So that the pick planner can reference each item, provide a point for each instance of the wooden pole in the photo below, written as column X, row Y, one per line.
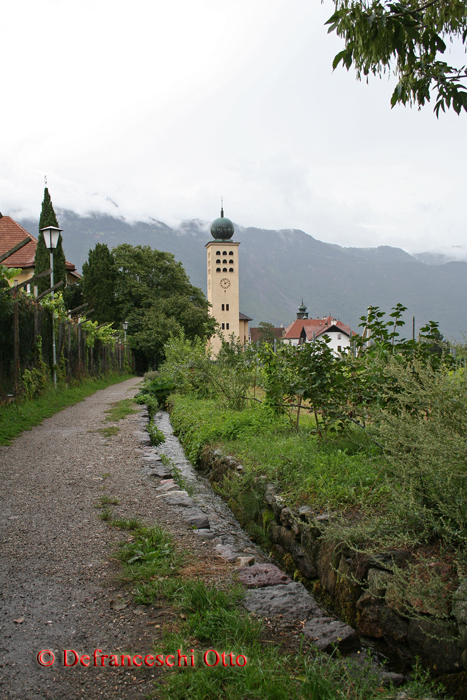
column 79, row 349
column 16, row 343
column 36, row 316
column 68, row 369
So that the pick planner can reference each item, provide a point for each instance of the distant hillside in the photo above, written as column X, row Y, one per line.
column 278, row 268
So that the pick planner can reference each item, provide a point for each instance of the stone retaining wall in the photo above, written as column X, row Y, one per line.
column 358, row 587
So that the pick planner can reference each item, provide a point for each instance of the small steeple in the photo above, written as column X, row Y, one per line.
column 302, row 312
column 222, row 207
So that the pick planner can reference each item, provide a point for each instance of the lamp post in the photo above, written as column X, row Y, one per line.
column 51, row 235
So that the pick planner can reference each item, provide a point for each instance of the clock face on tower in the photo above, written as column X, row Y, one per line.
column 225, row 283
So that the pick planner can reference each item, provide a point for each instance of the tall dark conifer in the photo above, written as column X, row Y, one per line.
column 99, row 276
column 42, row 257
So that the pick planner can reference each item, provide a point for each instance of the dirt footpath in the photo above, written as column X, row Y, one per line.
column 58, row 585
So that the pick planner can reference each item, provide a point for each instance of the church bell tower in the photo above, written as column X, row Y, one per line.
column 223, row 280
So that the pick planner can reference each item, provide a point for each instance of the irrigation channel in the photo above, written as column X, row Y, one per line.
column 270, row 592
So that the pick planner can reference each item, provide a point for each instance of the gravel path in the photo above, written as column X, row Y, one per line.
column 58, row 579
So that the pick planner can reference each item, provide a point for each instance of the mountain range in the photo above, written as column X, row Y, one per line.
column 279, row 268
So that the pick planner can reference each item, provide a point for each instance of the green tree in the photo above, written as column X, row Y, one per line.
column 154, row 294
column 266, row 332
column 408, row 39
column 42, row 256
column 98, row 284
column 73, row 295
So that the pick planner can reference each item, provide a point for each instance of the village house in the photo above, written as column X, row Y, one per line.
column 306, row 330
column 11, row 233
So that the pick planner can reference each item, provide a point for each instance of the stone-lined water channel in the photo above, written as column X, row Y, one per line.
column 270, row 592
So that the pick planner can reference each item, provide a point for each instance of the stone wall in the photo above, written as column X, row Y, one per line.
column 358, row 587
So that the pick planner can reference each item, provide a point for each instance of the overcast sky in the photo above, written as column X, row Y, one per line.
column 156, row 109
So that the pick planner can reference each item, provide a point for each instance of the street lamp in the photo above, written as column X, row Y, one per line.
column 125, row 328
column 51, row 235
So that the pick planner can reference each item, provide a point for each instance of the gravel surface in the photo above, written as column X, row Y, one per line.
column 59, row 585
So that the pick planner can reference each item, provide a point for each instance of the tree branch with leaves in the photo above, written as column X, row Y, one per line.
column 407, row 39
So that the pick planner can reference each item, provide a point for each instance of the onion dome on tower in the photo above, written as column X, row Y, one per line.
column 302, row 312
column 222, row 229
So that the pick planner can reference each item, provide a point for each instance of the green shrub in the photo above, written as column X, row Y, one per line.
column 150, row 402
column 156, row 435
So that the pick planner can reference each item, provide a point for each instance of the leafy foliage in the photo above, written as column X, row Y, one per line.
column 406, row 38
column 154, row 294
column 266, row 332
column 156, row 435
column 149, row 552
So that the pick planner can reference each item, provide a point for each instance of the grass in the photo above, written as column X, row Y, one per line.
column 120, row 409
column 148, row 553
column 108, row 431
column 16, row 418
column 341, row 473
column 212, row 618
column 109, row 500
column 106, row 515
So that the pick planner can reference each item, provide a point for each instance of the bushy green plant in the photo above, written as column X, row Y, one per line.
column 424, row 437
column 187, row 365
column 232, row 373
column 150, row 402
column 150, row 552
column 35, row 380
column 156, row 435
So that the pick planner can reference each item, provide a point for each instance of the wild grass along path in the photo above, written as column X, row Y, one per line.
column 58, row 586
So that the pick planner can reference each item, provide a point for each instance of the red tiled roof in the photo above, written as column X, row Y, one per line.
column 12, row 233
column 336, row 326
column 316, row 325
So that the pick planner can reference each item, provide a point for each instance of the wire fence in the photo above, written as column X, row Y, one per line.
column 26, row 342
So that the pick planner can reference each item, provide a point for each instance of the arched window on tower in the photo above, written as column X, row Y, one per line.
column 224, row 269
column 224, row 252
column 231, row 269
column 218, row 252
column 231, row 252
column 218, row 269
column 218, row 261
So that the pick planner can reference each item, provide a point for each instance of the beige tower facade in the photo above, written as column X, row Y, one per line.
column 223, row 281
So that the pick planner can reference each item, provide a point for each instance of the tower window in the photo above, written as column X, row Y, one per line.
column 218, row 269
column 223, row 326
column 230, row 269
column 222, row 307
column 225, row 262
column 218, row 252
column 226, row 307
column 224, row 252
column 218, row 261
column 227, row 326
column 224, row 269
column 231, row 252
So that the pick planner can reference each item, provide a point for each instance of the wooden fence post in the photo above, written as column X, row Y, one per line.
column 36, row 316
column 16, row 341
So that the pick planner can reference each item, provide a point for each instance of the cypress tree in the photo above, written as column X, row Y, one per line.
column 99, row 277
column 42, row 257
